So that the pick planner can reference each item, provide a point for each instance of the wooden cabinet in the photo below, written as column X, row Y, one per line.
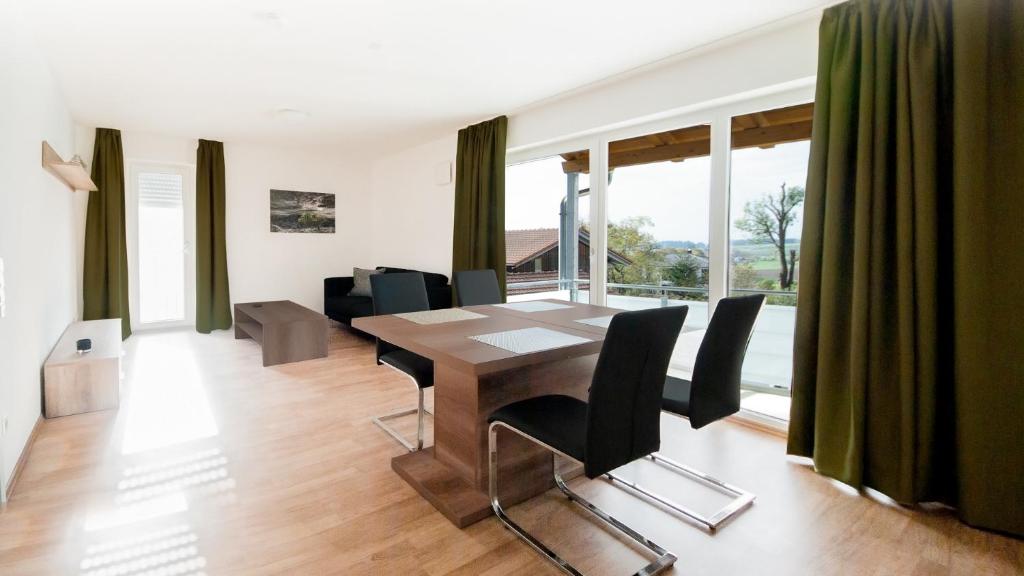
column 74, row 383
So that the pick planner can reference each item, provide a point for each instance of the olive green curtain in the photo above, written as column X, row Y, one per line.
column 908, row 375
column 105, row 265
column 479, row 237
column 213, row 300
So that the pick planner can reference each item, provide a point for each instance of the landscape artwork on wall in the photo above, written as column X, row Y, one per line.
column 301, row 212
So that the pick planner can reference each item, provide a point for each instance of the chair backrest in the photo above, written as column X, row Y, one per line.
column 624, row 410
column 397, row 293
column 715, row 386
column 475, row 287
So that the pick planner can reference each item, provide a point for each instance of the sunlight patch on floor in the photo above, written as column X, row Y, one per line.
column 165, row 505
column 168, row 404
column 165, row 552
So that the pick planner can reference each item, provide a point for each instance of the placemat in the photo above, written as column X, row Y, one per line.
column 440, row 316
column 600, row 321
column 533, row 306
column 528, row 340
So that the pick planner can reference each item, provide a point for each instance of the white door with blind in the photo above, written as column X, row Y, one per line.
column 161, row 232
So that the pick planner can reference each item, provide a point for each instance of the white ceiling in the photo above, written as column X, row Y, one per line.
column 369, row 73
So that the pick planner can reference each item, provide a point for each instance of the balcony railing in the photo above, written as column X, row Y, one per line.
column 769, row 358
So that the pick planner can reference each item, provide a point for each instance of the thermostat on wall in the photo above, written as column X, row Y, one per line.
column 443, row 173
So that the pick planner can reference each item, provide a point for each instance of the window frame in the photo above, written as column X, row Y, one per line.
column 718, row 114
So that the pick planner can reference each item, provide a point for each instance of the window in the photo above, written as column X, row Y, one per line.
column 658, row 190
column 547, row 207
column 688, row 209
column 658, row 255
column 769, row 168
column 161, row 276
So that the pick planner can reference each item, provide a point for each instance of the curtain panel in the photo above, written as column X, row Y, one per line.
column 105, row 263
column 213, row 299
column 479, row 235
column 908, row 373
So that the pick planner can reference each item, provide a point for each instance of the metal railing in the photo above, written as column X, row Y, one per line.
column 765, row 292
column 664, row 290
column 556, row 282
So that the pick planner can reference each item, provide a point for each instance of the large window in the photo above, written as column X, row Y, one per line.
column 658, row 189
column 769, row 169
column 658, row 202
column 683, row 211
column 547, row 230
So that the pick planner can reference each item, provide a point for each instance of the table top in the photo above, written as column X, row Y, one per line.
column 449, row 343
column 106, row 342
column 278, row 312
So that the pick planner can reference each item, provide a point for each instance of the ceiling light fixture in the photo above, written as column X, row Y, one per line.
column 291, row 114
column 269, row 17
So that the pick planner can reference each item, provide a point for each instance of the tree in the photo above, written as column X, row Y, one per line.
column 629, row 239
column 744, row 276
column 768, row 220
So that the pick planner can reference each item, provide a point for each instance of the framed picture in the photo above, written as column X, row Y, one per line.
column 301, row 212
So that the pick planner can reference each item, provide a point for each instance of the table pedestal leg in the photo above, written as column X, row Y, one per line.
column 453, row 474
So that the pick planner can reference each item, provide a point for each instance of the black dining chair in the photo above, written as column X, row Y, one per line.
column 712, row 394
column 397, row 293
column 617, row 425
column 475, row 287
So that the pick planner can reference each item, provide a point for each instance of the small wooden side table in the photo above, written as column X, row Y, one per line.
column 74, row 383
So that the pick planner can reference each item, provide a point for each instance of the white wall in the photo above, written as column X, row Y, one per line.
column 36, row 231
column 734, row 67
column 413, row 217
column 264, row 265
column 412, row 214
column 276, row 266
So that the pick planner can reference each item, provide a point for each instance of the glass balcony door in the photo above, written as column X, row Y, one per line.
column 547, row 228
column 161, row 231
column 770, row 149
column 685, row 210
column 658, row 228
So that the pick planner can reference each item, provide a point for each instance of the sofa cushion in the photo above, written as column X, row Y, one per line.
column 348, row 306
column 361, row 281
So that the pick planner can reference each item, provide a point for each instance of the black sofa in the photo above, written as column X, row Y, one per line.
column 338, row 305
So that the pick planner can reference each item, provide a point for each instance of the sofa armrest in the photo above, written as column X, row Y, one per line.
column 439, row 297
column 338, row 286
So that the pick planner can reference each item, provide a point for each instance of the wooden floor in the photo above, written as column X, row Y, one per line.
column 215, row 465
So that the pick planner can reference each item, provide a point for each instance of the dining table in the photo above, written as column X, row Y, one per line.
column 486, row 357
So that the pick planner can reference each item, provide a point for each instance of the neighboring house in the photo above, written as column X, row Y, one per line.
column 699, row 261
column 532, row 255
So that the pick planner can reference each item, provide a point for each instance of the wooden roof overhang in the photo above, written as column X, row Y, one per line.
column 760, row 130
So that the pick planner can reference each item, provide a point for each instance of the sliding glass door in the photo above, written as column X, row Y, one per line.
column 678, row 211
column 547, row 228
column 770, row 149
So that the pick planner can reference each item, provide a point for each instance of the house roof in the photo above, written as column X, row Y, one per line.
column 524, row 245
column 521, row 246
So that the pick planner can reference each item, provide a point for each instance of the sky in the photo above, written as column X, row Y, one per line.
column 674, row 194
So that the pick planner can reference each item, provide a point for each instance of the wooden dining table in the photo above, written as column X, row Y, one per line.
column 473, row 379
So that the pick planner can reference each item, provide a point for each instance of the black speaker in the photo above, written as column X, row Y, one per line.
column 84, row 345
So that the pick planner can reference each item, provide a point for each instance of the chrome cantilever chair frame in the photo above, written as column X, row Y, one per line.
column 664, row 560
column 741, row 498
column 420, row 410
